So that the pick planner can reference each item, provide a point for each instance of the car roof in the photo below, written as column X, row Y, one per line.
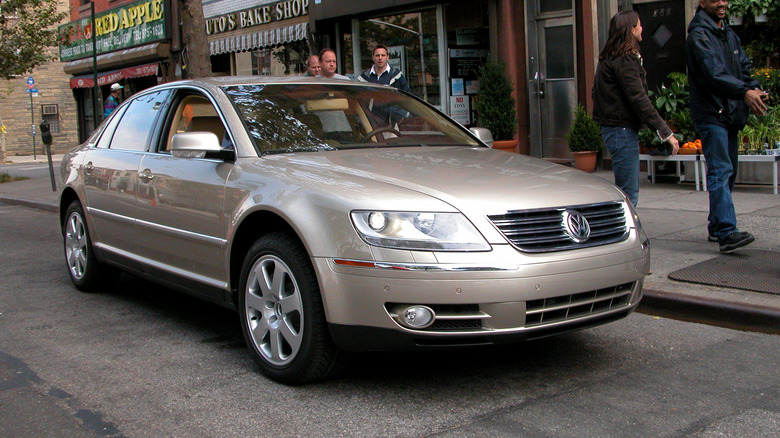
column 222, row 81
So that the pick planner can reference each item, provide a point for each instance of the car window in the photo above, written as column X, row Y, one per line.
column 135, row 126
column 308, row 117
column 195, row 113
column 110, row 126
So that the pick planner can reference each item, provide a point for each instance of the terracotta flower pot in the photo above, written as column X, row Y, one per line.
column 505, row 145
column 585, row 161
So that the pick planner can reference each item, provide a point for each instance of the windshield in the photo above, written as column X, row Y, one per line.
column 309, row 117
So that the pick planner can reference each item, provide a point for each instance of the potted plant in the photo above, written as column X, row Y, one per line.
column 760, row 9
column 584, row 140
column 496, row 106
column 737, row 10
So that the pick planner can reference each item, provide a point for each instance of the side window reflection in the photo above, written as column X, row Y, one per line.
column 135, row 127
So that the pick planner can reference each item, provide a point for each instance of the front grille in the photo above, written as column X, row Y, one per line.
column 551, row 310
column 544, row 230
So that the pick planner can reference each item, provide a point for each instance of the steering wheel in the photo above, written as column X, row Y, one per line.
column 376, row 131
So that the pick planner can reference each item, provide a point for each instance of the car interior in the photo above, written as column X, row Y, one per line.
column 197, row 114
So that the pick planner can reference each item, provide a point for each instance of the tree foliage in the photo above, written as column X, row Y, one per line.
column 27, row 31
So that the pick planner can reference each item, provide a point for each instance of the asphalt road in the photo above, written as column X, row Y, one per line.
column 138, row 360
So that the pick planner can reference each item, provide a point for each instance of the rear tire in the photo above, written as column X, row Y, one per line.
column 281, row 312
column 85, row 271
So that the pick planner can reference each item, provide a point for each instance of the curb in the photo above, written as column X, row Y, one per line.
column 710, row 311
column 27, row 203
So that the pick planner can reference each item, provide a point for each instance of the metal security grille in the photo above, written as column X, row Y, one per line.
column 552, row 310
column 544, row 230
column 51, row 114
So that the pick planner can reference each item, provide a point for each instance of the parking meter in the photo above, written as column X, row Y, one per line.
column 45, row 133
column 47, row 140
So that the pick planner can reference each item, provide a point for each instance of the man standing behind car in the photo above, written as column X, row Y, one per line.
column 328, row 65
column 721, row 93
column 382, row 73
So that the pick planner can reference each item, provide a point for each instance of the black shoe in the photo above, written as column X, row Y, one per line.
column 711, row 238
column 735, row 240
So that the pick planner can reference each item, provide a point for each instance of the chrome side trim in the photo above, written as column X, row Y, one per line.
column 103, row 213
column 424, row 267
column 180, row 272
column 216, row 241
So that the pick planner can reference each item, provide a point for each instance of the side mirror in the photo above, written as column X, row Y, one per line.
column 483, row 135
column 196, row 145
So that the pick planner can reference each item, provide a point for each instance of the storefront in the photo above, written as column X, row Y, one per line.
column 268, row 39
column 438, row 46
column 132, row 46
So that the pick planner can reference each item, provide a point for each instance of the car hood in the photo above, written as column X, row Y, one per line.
column 484, row 179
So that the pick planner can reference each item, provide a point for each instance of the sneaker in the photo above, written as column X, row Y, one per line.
column 711, row 238
column 735, row 240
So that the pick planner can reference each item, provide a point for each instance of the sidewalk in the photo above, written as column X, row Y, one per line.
column 674, row 216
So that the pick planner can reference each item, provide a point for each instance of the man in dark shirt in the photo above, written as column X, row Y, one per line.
column 382, row 73
column 722, row 92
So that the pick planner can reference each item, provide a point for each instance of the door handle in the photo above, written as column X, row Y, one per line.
column 145, row 175
column 541, row 88
column 88, row 168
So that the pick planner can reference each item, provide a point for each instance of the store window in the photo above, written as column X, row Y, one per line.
column 261, row 62
column 51, row 114
column 412, row 44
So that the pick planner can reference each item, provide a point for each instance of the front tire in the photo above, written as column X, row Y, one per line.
column 281, row 311
column 85, row 271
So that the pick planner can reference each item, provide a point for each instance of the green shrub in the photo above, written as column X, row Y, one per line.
column 495, row 104
column 585, row 134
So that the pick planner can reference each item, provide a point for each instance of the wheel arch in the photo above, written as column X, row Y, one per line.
column 66, row 198
column 248, row 231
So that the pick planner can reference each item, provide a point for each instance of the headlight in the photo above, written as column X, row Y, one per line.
column 418, row 231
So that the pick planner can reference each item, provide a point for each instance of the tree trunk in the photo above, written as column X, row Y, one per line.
column 196, row 63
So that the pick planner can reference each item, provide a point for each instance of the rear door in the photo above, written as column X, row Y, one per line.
column 111, row 168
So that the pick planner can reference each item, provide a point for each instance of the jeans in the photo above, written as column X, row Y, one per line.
column 721, row 152
column 623, row 144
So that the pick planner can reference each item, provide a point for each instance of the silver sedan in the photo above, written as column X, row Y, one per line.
column 337, row 216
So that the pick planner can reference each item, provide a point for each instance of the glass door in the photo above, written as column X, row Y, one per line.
column 412, row 40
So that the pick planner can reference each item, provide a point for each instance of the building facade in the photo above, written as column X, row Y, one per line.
column 133, row 43
column 21, row 107
column 257, row 37
column 550, row 48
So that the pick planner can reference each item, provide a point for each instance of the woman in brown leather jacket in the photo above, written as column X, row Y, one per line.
column 621, row 104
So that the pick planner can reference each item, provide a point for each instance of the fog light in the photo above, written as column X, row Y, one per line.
column 418, row 317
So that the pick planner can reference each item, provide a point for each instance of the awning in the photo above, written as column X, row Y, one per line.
column 258, row 39
column 120, row 58
column 108, row 77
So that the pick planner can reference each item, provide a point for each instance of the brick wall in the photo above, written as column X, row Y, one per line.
column 53, row 89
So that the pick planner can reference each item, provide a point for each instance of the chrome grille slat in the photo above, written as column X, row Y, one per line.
column 570, row 304
column 544, row 231
column 562, row 308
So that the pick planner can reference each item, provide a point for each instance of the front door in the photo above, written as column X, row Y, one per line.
column 552, row 81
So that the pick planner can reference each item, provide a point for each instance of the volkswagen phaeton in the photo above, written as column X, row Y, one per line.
column 338, row 217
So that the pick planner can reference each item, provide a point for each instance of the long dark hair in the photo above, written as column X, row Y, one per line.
column 620, row 40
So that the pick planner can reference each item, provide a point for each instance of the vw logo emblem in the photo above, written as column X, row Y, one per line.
column 576, row 226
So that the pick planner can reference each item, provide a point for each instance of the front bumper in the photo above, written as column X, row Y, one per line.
column 499, row 296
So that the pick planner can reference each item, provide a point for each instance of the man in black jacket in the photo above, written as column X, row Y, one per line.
column 382, row 73
column 721, row 93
